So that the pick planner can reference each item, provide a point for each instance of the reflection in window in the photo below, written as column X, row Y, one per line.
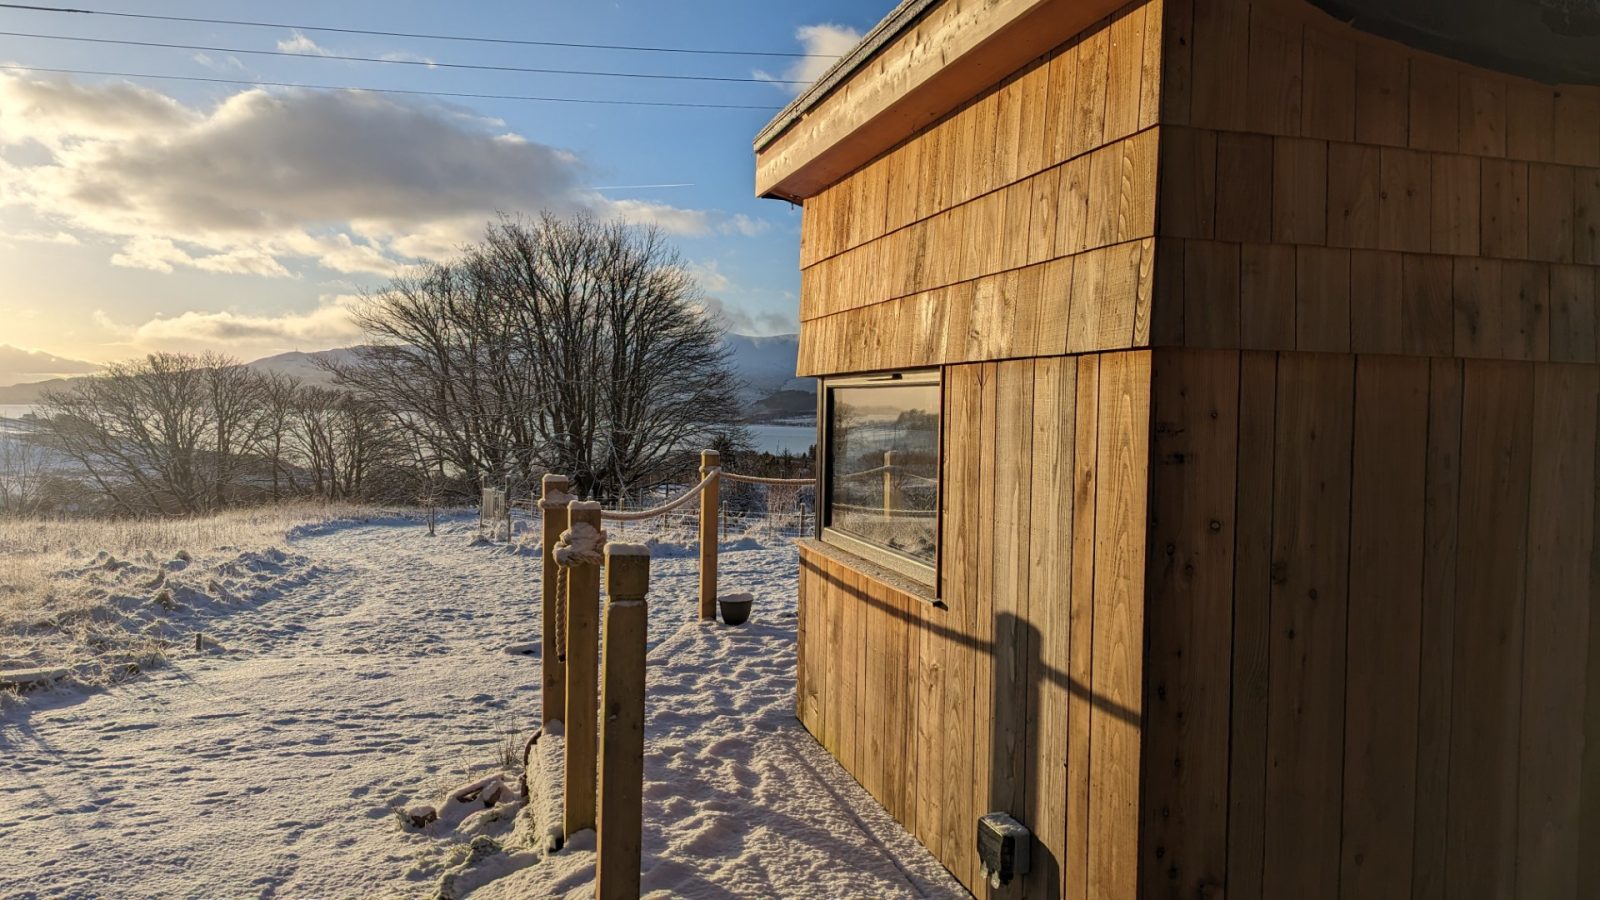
column 883, row 466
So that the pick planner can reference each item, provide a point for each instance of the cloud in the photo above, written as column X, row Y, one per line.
column 742, row 321
column 826, row 43
column 41, row 237
column 299, row 43
column 266, row 182
column 327, row 325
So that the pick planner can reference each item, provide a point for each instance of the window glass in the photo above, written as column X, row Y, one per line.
column 883, row 466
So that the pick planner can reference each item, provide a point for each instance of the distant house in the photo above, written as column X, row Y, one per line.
column 1209, row 440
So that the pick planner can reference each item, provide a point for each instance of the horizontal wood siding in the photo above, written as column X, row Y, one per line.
column 1019, row 225
column 1023, row 691
column 1424, row 207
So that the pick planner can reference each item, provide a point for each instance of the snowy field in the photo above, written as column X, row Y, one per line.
column 358, row 667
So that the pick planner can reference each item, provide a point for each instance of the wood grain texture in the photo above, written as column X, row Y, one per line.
column 1306, row 695
column 1481, row 826
column 1189, row 577
column 1118, row 664
column 1384, row 625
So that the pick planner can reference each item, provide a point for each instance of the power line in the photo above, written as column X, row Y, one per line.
column 374, row 90
column 411, row 34
column 124, row 42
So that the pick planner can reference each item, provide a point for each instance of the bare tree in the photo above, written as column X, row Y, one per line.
column 569, row 345
column 24, row 463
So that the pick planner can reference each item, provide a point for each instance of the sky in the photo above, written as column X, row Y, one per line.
column 140, row 214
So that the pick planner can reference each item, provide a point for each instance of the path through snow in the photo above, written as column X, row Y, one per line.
column 274, row 769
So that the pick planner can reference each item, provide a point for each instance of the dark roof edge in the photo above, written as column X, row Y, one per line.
column 900, row 19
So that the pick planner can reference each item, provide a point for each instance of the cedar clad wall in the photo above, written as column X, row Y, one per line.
column 1373, row 662
column 1024, row 692
column 1328, row 190
column 1019, row 225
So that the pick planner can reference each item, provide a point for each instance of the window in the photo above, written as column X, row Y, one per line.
column 881, row 465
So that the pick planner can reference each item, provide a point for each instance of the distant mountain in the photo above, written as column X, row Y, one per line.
column 18, row 365
column 766, row 364
column 304, row 365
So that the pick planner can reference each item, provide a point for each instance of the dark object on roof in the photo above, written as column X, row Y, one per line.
column 1556, row 41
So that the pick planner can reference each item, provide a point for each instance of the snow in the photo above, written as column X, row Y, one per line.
column 614, row 548
column 370, row 674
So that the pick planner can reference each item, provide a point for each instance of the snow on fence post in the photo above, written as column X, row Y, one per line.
column 583, row 650
column 710, row 503
column 553, row 505
column 619, row 828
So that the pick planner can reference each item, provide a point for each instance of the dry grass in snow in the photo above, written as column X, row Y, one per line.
column 106, row 598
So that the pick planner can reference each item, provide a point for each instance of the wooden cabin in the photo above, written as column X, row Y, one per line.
column 1209, row 415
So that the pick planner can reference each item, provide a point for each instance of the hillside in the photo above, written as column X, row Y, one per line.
column 765, row 364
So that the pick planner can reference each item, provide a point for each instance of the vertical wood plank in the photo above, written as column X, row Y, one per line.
column 1483, row 115
column 1456, row 182
column 1481, row 822
column 1322, row 308
column 1267, row 297
column 1388, row 495
column 1087, row 129
column 1478, row 306
column 1404, row 204
column 1550, row 206
column 1211, row 294
column 1438, row 625
column 1219, row 93
column 1435, row 106
column 1274, row 87
column 1525, row 307
column 1572, row 314
column 1586, row 216
column 964, row 412
column 1427, row 316
column 1577, row 126
column 1377, row 307
column 1189, row 566
column 1252, row 601
column 1505, row 209
column 1556, row 631
column 1243, row 192
column 1188, row 188
column 1353, row 189
column 1311, row 510
column 1125, row 69
column 1013, row 455
column 1049, row 609
column 1086, row 469
column 1300, row 191
column 1530, row 121
column 1383, row 95
column 1118, row 665
column 1328, row 109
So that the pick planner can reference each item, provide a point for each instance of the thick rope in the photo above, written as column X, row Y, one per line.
column 756, row 479
column 580, row 545
column 637, row 515
column 561, row 614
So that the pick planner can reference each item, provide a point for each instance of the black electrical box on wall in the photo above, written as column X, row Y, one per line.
column 1002, row 848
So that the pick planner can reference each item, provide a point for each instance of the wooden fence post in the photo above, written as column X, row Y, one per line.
column 710, row 503
column 553, row 504
column 892, row 501
column 619, row 829
column 583, row 650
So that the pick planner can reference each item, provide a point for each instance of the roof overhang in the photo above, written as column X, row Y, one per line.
column 1556, row 41
column 926, row 58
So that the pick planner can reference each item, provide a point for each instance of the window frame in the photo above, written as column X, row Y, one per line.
column 923, row 573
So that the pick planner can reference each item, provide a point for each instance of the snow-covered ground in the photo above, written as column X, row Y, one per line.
column 379, row 678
